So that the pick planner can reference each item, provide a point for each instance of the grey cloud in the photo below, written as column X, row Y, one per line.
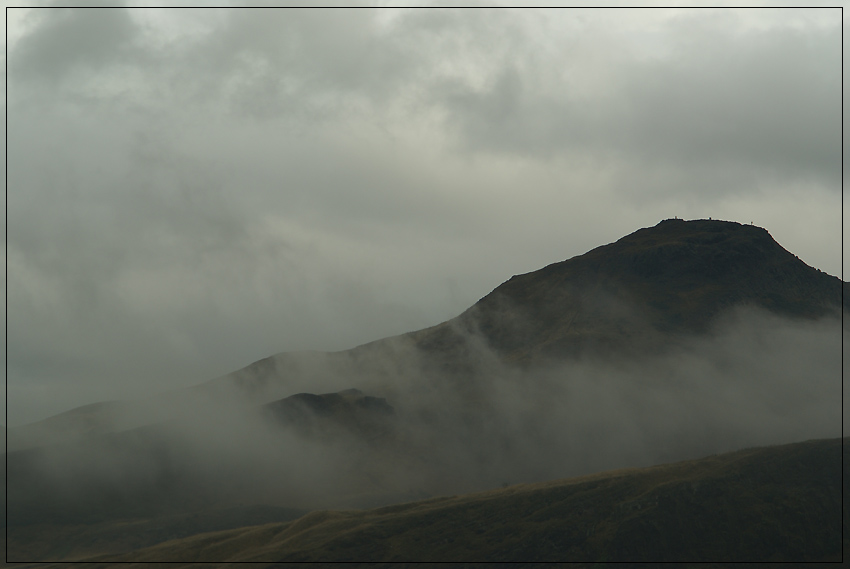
column 768, row 102
column 271, row 62
column 251, row 181
column 71, row 38
column 762, row 103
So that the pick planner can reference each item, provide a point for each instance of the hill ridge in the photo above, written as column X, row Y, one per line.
column 616, row 299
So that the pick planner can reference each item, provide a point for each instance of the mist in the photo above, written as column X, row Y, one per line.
column 754, row 379
column 190, row 191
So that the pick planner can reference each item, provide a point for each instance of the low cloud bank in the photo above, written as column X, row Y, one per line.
column 755, row 379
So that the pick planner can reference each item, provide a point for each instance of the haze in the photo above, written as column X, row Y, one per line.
column 755, row 379
column 192, row 190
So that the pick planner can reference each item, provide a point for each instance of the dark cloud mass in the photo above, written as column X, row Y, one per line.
column 192, row 190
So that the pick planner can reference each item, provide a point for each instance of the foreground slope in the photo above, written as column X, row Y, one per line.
column 778, row 503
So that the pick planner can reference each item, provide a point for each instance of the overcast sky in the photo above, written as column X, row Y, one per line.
column 192, row 190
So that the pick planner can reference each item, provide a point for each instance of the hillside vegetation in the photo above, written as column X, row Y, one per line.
column 767, row 504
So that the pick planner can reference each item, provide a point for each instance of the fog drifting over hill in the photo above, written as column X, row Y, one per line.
column 757, row 379
column 192, row 190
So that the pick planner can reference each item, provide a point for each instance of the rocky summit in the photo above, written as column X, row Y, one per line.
column 634, row 294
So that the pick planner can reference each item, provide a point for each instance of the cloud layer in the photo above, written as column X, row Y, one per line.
column 189, row 191
column 755, row 380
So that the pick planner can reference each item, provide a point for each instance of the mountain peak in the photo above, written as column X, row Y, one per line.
column 708, row 248
column 640, row 291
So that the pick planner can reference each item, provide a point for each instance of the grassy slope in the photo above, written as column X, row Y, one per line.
column 72, row 541
column 767, row 504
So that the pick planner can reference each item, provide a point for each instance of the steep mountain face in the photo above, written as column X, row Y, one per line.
column 639, row 292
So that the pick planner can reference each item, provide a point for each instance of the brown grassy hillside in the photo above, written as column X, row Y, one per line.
column 766, row 504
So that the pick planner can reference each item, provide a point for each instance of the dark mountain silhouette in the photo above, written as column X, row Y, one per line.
column 639, row 295
column 656, row 283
